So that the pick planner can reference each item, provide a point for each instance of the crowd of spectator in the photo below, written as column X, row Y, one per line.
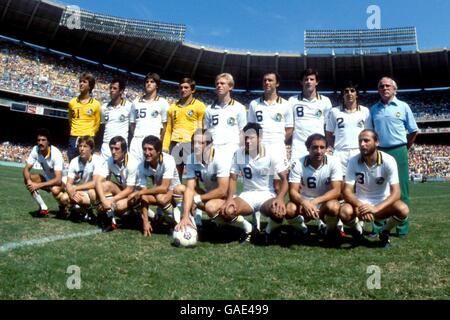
column 44, row 73
column 14, row 152
column 430, row 160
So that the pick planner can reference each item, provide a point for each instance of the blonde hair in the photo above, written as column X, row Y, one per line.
column 228, row 77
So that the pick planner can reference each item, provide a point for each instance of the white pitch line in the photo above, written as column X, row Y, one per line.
column 14, row 245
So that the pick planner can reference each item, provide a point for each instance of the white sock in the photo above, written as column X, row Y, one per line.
column 168, row 209
column 256, row 220
column 198, row 217
column 36, row 195
column 392, row 222
column 242, row 223
column 298, row 223
column 271, row 225
column 355, row 225
column 340, row 225
column 331, row 222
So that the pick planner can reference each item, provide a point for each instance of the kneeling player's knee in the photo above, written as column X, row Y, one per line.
column 332, row 208
column 346, row 213
column 291, row 210
column 162, row 199
column 179, row 189
column 402, row 210
column 211, row 208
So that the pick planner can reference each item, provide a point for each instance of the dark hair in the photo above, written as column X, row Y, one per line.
column 309, row 72
column 276, row 74
column 154, row 76
column 256, row 127
column 154, row 141
column 121, row 82
column 88, row 140
column 314, row 137
column 90, row 78
column 43, row 132
column 374, row 134
column 123, row 142
column 189, row 81
column 352, row 85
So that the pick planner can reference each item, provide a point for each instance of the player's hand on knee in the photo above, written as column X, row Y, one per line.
column 278, row 208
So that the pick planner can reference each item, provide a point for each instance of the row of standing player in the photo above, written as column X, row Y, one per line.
column 309, row 111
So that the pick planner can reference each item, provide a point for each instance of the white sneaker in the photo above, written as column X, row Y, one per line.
column 176, row 215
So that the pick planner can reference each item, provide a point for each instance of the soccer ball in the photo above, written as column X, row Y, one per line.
column 185, row 238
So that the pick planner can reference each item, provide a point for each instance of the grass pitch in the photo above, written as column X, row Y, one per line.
column 125, row 265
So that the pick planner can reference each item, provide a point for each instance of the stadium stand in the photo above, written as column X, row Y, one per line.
column 33, row 71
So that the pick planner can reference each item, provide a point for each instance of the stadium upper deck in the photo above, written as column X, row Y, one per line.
column 39, row 22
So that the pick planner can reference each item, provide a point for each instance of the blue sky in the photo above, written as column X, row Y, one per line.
column 269, row 25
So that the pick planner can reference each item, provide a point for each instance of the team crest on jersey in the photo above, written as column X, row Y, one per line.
column 278, row 117
column 122, row 118
column 328, row 181
column 231, row 121
column 398, row 114
column 155, row 114
column 380, row 180
column 190, row 113
column 89, row 112
column 319, row 113
column 361, row 124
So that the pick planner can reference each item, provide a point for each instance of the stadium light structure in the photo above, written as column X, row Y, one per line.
column 94, row 22
column 360, row 38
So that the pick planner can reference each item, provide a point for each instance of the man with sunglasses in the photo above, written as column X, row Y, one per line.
column 394, row 122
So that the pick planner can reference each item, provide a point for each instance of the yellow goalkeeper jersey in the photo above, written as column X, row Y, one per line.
column 182, row 121
column 84, row 118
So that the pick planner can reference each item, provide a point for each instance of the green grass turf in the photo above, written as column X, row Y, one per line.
column 125, row 265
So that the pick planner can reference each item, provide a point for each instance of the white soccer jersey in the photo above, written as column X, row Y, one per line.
column 166, row 169
column 309, row 118
column 274, row 118
column 346, row 126
column 125, row 172
column 225, row 123
column 315, row 182
column 52, row 162
column 258, row 173
column 149, row 116
column 372, row 184
column 116, row 120
column 84, row 172
column 208, row 173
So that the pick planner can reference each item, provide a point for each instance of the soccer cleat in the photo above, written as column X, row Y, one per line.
column 110, row 227
column 384, row 238
column 63, row 213
column 245, row 238
column 43, row 213
column 322, row 230
column 358, row 236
